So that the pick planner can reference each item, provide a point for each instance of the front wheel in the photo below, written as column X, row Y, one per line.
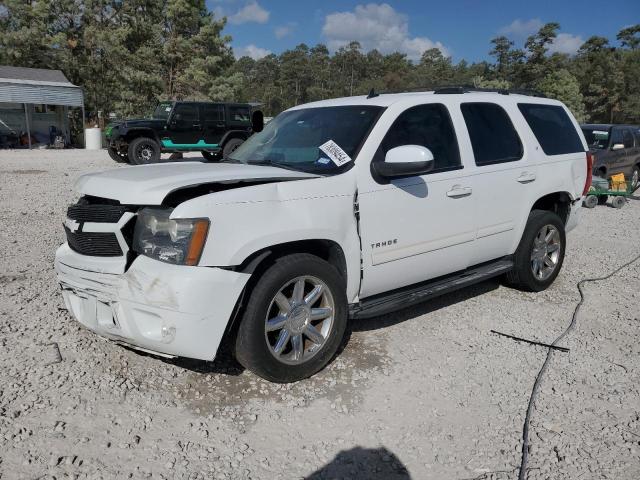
column 294, row 321
column 539, row 256
column 120, row 157
column 143, row 150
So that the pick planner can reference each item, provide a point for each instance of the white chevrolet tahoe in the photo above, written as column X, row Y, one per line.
column 345, row 208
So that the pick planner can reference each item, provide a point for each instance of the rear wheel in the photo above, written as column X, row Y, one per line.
column 540, row 254
column 231, row 146
column 294, row 321
column 120, row 157
column 211, row 156
column 143, row 150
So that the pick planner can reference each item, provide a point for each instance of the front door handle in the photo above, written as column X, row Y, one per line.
column 458, row 191
column 526, row 177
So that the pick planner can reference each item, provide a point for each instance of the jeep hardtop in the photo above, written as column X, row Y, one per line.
column 214, row 129
column 344, row 208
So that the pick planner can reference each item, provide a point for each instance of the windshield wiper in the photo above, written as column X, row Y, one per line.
column 274, row 163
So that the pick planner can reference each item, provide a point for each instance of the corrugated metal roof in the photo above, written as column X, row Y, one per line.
column 32, row 74
column 36, row 85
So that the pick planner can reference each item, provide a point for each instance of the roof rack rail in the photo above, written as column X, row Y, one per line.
column 502, row 91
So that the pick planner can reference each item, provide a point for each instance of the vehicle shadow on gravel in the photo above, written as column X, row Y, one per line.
column 363, row 463
column 428, row 306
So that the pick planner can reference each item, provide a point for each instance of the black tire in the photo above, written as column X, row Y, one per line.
column 251, row 347
column 602, row 199
column 117, row 156
column 144, row 150
column 635, row 178
column 211, row 156
column 522, row 275
column 591, row 201
column 618, row 202
column 230, row 146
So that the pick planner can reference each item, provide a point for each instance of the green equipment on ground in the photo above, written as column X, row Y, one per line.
column 601, row 189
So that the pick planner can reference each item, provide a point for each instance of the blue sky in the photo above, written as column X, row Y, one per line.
column 460, row 28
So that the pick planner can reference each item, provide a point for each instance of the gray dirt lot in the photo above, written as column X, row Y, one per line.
column 426, row 393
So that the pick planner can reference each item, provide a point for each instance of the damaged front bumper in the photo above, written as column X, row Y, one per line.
column 166, row 309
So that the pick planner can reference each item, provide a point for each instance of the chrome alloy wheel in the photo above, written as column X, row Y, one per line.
column 299, row 320
column 545, row 252
column 635, row 180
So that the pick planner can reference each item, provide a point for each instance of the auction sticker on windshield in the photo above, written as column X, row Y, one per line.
column 335, row 153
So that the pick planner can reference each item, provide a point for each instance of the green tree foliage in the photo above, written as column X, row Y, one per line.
column 563, row 86
column 128, row 54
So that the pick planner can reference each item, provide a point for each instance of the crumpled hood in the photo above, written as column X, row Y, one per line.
column 150, row 184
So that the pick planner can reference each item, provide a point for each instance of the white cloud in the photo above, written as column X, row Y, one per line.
column 521, row 29
column 251, row 12
column 376, row 26
column 284, row 30
column 566, row 43
column 252, row 51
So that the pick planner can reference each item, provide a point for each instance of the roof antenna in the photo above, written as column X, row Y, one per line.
column 372, row 94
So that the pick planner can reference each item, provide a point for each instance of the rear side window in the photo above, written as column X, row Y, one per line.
column 552, row 127
column 427, row 126
column 493, row 137
column 628, row 139
column 213, row 113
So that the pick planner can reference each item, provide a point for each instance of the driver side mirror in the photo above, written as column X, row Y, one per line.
column 617, row 146
column 405, row 161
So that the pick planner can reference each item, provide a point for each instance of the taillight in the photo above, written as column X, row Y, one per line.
column 587, row 182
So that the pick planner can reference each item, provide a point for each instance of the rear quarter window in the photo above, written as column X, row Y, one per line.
column 552, row 127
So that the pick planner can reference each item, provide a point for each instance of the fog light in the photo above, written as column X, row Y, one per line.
column 168, row 334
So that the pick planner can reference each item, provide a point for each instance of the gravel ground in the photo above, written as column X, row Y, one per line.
column 426, row 393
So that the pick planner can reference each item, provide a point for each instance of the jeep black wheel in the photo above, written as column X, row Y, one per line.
column 539, row 256
column 294, row 321
column 143, row 150
column 211, row 156
column 231, row 146
column 117, row 156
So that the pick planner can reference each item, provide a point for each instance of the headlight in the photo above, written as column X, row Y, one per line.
column 178, row 241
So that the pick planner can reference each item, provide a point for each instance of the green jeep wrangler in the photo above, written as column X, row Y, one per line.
column 215, row 129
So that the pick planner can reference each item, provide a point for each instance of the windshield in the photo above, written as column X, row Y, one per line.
column 162, row 111
column 597, row 138
column 293, row 139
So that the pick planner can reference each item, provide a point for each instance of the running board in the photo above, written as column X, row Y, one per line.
column 404, row 297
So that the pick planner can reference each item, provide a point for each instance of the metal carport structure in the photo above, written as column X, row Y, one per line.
column 36, row 86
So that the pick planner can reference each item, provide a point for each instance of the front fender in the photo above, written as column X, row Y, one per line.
column 247, row 220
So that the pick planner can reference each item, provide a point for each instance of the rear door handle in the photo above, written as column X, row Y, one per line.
column 526, row 177
column 458, row 191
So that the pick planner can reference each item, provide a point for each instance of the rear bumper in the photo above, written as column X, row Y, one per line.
column 166, row 309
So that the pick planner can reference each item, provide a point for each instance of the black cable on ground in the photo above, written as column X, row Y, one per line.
column 536, row 385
